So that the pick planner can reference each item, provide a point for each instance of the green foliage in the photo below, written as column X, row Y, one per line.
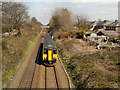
column 108, row 35
column 84, row 26
column 81, row 33
column 5, row 79
column 5, row 28
column 117, row 37
column 69, row 33
column 30, row 43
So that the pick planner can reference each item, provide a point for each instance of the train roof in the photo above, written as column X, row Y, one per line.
column 48, row 42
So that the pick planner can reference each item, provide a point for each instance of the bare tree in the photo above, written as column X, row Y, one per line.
column 81, row 22
column 33, row 19
column 14, row 14
column 61, row 20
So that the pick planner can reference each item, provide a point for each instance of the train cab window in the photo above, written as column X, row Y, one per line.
column 45, row 50
column 54, row 51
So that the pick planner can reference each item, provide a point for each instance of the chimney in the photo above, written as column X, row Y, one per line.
column 118, row 28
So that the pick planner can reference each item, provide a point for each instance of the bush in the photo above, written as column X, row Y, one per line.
column 61, row 35
column 72, row 34
column 5, row 28
column 80, row 34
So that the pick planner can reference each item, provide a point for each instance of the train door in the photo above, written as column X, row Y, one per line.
column 50, row 54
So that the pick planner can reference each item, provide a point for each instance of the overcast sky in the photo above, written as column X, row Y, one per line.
column 93, row 9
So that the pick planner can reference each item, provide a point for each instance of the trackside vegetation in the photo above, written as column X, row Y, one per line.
column 90, row 69
column 19, row 33
column 15, row 49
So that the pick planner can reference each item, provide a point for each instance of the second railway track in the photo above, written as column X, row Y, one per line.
column 51, row 80
column 34, row 75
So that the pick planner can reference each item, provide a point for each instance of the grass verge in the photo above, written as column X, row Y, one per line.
column 30, row 43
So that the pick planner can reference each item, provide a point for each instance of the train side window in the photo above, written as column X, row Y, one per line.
column 54, row 51
column 45, row 50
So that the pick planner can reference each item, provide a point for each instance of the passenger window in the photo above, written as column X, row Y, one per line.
column 54, row 51
column 45, row 50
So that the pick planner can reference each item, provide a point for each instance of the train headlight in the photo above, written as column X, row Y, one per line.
column 54, row 58
column 45, row 58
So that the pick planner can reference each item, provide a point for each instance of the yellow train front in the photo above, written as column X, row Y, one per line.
column 50, row 51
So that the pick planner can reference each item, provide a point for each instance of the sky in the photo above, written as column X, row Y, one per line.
column 93, row 9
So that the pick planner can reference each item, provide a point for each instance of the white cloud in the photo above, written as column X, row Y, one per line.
column 95, row 3
column 73, row 1
column 52, row 3
column 48, row 9
column 78, row 1
column 104, row 12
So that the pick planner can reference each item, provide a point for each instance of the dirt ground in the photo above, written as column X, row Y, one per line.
column 73, row 44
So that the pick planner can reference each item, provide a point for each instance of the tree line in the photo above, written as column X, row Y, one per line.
column 63, row 20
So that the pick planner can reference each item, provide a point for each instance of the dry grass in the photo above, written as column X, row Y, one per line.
column 87, row 66
column 14, row 49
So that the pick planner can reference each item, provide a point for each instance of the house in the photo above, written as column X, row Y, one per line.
column 88, row 33
column 93, row 37
column 91, row 34
column 99, row 38
column 108, row 32
column 118, row 27
column 99, row 33
column 106, row 25
column 45, row 27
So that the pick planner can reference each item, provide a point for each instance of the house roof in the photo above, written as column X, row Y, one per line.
column 107, row 23
column 99, row 23
column 110, row 32
column 88, row 32
column 45, row 27
column 113, row 24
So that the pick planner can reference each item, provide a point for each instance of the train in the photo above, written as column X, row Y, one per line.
column 50, row 51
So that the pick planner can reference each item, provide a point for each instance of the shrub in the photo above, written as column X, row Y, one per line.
column 80, row 34
column 61, row 35
column 5, row 28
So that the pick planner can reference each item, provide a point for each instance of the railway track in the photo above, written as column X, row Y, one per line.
column 56, row 77
column 36, row 75
column 51, row 81
column 27, row 79
column 28, row 76
column 40, row 76
column 51, row 78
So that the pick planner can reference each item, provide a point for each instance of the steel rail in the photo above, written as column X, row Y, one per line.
column 56, row 77
column 45, row 78
column 69, row 81
column 33, row 75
